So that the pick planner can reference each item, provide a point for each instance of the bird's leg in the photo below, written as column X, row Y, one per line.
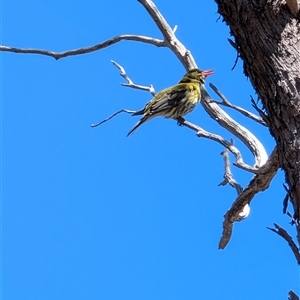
column 180, row 121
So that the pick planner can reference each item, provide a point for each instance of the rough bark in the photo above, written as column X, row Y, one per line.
column 267, row 37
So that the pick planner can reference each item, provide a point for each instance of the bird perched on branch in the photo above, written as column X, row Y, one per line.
column 176, row 101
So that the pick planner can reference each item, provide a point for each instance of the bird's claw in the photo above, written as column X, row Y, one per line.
column 180, row 121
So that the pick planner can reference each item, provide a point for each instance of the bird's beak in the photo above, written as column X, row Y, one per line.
column 208, row 72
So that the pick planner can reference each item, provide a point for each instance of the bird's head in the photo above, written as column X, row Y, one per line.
column 196, row 75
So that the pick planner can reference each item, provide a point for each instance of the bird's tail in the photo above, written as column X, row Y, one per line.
column 139, row 123
column 136, row 126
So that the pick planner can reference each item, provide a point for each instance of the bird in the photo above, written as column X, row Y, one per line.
column 176, row 101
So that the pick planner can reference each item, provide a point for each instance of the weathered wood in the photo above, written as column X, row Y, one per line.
column 267, row 36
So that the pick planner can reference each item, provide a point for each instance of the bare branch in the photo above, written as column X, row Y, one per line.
column 260, row 112
column 293, row 220
column 260, row 182
column 235, row 46
column 286, row 199
column 228, row 177
column 203, row 133
column 296, row 223
column 113, row 115
column 130, row 82
column 170, row 40
column 243, row 111
column 242, row 133
column 107, row 43
column 282, row 232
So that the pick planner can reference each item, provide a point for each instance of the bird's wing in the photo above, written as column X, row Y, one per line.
column 170, row 97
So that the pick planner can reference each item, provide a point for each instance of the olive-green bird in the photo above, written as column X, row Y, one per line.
column 175, row 101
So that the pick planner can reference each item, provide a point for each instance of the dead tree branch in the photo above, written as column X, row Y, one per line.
column 282, row 232
column 100, row 46
column 228, row 177
column 243, row 111
column 217, row 138
column 260, row 182
column 112, row 116
column 130, row 83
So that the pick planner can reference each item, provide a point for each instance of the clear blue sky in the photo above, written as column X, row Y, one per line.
column 90, row 214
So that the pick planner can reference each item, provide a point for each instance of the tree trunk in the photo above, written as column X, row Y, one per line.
column 267, row 36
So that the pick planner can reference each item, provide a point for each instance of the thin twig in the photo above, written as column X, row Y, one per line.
column 265, row 118
column 113, row 115
column 243, row 111
column 228, row 177
column 236, row 61
column 170, row 40
column 293, row 220
column 107, row 43
column 286, row 199
column 282, row 232
column 235, row 46
column 130, row 82
column 296, row 223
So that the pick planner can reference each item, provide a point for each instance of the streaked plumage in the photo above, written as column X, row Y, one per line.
column 175, row 101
